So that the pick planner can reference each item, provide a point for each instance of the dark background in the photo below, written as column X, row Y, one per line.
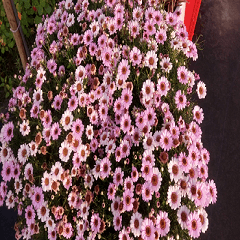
column 219, row 67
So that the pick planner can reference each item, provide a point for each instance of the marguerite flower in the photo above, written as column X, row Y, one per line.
column 194, row 224
column 201, row 90
column 162, row 223
column 123, row 70
column 151, row 60
column 147, row 229
column 174, row 197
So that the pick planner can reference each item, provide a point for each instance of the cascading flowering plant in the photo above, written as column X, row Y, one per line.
column 102, row 139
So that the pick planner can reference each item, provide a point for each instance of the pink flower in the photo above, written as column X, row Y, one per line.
column 29, row 215
column 57, row 102
column 106, row 55
column 149, row 27
column 119, row 21
column 147, row 192
column 51, row 65
column 174, row 197
column 67, row 230
column 125, row 123
column 88, row 37
column 180, row 100
column 134, row 28
column 174, row 170
column 111, row 191
column 128, row 200
column 163, row 86
column 77, row 128
column 183, row 213
column 198, row 115
column 166, row 65
column 147, row 229
column 134, row 174
column 151, row 60
column 7, row 171
column 105, row 167
column 80, row 73
column 118, row 177
column 194, row 225
column 166, row 140
column 126, row 98
column 146, row 170
column 135, row 56
column 95, row 222
column 156, row 179
column 201, row 90
column 55, row 131
column 37, row 197
column 123, row 235
column 148, row 89
column 117, row 222
column 136, row 223
column 213, row 191
column 73, row 103
column 162, row 223
column 123, row 70
column 182, row 74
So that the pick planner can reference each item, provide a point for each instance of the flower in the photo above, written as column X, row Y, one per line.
column 161, row 36
column 64, row 151
column 166, row 65
column 182, row 73
column 194, row 224
column 95, row 222
column 166, row 140
column 37, row 197
column 162, row 223
column 182, row 214
column 29, row 215
column 123, row 70
column 7, row 131
column 174, row 198
column 147, row 229
column 180, row 100
column 151, row 60
column 163, row 86
column 201, row 90
column 136, row 223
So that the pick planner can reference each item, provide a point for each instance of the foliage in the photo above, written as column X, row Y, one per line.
column 30, row 12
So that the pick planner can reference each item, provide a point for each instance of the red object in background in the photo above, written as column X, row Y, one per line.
column 191, row 14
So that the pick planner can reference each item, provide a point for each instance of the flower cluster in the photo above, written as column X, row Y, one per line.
column 102, row 139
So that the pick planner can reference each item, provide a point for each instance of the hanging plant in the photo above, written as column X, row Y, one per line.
column 102, row 139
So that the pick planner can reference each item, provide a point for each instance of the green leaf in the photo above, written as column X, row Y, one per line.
column 40, row 10
column 24, row 19
column 3, row 50
column 48, row 9
column 38, row 19
column 7, row 94
column 30, row 11
column 35, row 3
column 42, row 3
column 2, row 12
column 11, row 44
column 27, row 4
column 2, row 84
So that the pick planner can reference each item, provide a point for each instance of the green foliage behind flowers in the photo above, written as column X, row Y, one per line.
column 102, row 139
column 30, row 12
